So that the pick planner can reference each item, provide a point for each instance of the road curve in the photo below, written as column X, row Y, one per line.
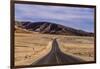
column 55, row 56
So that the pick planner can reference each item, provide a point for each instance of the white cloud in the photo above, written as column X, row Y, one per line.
column 55, row 13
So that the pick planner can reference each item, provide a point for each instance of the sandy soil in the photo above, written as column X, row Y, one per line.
column 82, row 47
column 31, row 46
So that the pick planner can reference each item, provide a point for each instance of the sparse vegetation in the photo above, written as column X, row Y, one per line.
column 31, row 46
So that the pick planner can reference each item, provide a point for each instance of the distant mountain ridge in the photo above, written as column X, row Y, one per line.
column 51, row 28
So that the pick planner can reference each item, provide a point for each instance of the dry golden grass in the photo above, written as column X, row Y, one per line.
column 82, row 47
column 31, row 46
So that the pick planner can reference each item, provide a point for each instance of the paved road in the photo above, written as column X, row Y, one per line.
column 55, row 56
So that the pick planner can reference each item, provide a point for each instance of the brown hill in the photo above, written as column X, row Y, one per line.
column 51, row 28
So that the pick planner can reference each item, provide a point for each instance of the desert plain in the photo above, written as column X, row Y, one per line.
column 31, row 46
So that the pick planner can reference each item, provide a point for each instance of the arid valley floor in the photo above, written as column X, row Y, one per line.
column 31, row 46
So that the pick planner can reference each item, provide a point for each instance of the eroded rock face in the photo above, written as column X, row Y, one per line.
column 51, row 28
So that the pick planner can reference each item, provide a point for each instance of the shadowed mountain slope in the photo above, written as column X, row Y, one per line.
column 51, row 28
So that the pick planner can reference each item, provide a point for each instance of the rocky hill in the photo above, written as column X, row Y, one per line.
column 51, row 28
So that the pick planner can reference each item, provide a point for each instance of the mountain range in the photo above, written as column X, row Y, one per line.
column 51, row 28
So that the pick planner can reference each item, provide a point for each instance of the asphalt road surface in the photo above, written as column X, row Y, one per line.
column 55, row 56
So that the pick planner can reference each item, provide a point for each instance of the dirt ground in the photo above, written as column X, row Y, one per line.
column 31, row 46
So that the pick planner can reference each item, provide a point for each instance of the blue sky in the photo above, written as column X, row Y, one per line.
column 75, row 17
